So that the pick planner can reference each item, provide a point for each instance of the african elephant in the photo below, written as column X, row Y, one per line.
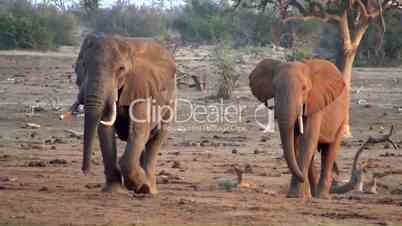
column 128, row 88
column 310, row 107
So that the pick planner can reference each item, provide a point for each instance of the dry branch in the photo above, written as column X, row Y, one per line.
column 357, row 174
column 239, row 174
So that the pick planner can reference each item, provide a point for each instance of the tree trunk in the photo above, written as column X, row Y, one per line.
column 348, row 58
column 351, row 38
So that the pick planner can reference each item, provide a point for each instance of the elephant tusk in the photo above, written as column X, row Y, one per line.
column 300, row 120
column 113, row 118
column 270, row 128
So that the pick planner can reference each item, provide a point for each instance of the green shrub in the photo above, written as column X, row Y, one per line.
column 213, row 21
column 129, row 20
column 225, row 63
column 8, row 39
column 372, row 53
column 27, row 26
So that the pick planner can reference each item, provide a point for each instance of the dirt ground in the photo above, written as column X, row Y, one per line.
column 41, row 182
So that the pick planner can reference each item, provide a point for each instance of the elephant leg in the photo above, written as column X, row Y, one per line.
column 313, row 177
column 294, row 184
column 134, row 175
column 328, row 159
column 107, row 143
column 307, row 148
column 152, row 149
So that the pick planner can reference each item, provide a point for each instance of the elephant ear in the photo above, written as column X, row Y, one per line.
column 261, row 79
column 148, row 81
column 327, row 84
column 80, row 67
column 152, row 74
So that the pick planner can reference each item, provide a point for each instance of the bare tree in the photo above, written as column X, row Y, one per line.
column 61, row 5
column 90, row 5
column 351, row 17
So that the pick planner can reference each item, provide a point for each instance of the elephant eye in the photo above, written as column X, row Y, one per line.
column 122, row 68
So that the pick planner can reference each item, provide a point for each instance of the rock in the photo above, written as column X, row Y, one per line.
column 163, row 179
column 176, row 165
column 268, row 192
column 387, row 154
column 93, row 185
column 362, row 102
column 204, row 143
column 74, row 134
column 8, row 179
column 55, row 140
column 5, row 156
column 44, row 189
column 59, row 141
column 37, row 164
column 58, row 162
column 32, row 126
column 256, row 152
column 248, row 168
column 163, row 172
column 34, row 134
column 182, row 202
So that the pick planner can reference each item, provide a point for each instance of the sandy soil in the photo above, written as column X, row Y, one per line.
column 41, row 182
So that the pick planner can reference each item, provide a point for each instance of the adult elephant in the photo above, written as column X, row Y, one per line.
column 311, row 107
column 128, row 87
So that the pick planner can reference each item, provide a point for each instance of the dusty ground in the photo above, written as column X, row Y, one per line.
column 41, row 182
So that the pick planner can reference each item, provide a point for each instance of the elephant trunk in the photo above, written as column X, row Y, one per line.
column 287, row 115
column 99, row 104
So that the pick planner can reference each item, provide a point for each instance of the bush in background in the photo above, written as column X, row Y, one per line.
column 27, row 26
column 129, row 20
column 225, row 63
column 209, row 21
column 372, row 53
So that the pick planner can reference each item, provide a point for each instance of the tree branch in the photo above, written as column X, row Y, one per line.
column 299, row 6
column 357, row 173
column 325, row 19
column 321, row 15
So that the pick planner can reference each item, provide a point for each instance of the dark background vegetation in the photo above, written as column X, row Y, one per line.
column 53, row 23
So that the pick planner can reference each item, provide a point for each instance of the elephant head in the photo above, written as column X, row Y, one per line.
column 102, row 67
column 300, row 89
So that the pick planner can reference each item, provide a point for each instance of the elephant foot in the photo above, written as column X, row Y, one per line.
column 293, row 192
column 134, row 178
column 301, row 190
column 138, row 186
column 153, row 190
column 325, row 196
column 113, row 188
